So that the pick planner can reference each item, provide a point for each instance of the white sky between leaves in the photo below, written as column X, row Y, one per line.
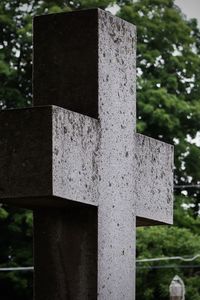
column 190, row 8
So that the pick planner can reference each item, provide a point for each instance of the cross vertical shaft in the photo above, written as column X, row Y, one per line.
column 117, row 209
column 98, row 52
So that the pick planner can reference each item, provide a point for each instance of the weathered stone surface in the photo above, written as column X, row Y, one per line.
column 117, row 204
column 56, row 153
column 154, row 181
column 47, row 152
column 112, row 174
column 75, row 146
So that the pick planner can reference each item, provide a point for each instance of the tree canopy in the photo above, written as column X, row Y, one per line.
column 168, row 100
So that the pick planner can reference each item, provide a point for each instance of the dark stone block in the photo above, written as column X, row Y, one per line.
column 65, row 69
column 65, row 253
column 25, row 153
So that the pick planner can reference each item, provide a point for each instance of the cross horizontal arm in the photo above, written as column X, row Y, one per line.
column 51, row 151
column 47, row 155
column 154, row 181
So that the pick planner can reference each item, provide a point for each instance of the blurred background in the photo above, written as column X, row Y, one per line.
column 168, row 108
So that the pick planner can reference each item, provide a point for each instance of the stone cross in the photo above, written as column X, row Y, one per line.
column 76, row 160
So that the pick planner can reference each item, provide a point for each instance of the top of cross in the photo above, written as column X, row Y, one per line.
column 76, row 53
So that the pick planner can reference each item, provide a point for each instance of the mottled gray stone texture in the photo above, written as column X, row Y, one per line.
column 75, row 141
column 47, row 155
column 52, row 152
column 117, row 203
column 154, row 181
column 79, row 162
